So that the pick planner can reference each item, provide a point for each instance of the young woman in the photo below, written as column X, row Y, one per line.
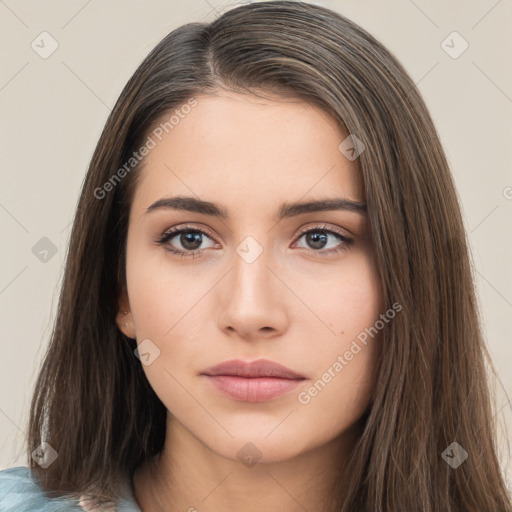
column 268, row 301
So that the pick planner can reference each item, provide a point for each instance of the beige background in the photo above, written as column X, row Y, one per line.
column 53, row 110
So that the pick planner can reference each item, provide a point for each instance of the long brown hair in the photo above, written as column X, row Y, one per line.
column 92, row 402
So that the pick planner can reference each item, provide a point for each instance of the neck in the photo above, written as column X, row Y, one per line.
column 189, row 476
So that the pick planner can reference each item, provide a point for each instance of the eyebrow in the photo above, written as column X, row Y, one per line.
column 192, row 204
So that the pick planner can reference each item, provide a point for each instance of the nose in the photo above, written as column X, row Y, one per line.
column 252, row 299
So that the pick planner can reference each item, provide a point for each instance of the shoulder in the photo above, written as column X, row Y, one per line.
column 19, row 492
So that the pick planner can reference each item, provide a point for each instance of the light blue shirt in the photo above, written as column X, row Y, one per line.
column 19, row 492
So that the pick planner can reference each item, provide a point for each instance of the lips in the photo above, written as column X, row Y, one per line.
column 257, row 381
column 254, row 369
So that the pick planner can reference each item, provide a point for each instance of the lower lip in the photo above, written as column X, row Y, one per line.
column 254, row 389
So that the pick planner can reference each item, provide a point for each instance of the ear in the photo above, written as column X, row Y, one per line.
column 124, row 319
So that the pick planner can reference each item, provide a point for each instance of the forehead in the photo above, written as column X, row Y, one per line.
column 243, row 150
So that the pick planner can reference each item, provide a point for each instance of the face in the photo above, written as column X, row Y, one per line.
column 297, row 289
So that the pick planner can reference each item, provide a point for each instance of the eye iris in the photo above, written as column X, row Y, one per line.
column 316, row 237
column 191, row 237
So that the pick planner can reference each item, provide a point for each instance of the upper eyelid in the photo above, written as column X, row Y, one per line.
column 186, row 227
column 324, row 227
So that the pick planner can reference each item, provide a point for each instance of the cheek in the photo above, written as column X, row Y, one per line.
column 345, row 299
column 163, row 301
column 343, row 362
column 343, row 379
column 360, row 299
column 161, row 295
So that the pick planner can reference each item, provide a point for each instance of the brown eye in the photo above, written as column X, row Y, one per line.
column 185, row 241
column 322, row 240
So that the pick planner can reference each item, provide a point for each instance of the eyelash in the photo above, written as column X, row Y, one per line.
column 168, row 235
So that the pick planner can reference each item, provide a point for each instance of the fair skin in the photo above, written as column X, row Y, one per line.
column 299, row 303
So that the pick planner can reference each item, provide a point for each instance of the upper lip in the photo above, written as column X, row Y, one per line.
column 258, row 368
